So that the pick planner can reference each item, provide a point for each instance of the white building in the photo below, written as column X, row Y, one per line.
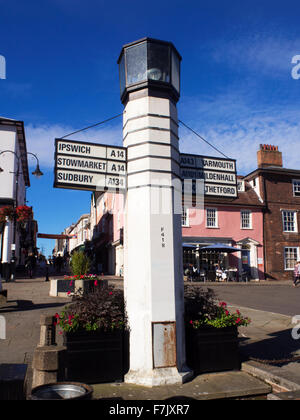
column 79, row 233
column 12, row 187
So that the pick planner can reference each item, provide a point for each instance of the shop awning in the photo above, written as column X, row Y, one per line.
column 185, row 245
column 219, row 247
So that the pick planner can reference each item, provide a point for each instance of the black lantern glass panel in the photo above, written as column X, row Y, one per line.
column 149, row 63
column 175, row 71
column 136, row 63
column 158, row 62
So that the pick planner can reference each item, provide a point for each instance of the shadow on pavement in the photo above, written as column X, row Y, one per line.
column 278, row 350
column 28, row 305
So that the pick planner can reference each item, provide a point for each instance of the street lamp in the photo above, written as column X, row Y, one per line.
column 37, row 173
column 149, row 63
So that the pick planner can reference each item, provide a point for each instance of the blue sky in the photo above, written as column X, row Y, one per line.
column 236, row 84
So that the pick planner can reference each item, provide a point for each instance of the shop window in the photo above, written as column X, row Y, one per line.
column 291, row 256
column 289, row 220
column 209, row 260
column 189, row 257
column 211, row 218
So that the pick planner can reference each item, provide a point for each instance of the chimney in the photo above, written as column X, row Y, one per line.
column 269, row 155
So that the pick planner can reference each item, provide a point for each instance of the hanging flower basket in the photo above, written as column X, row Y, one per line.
column 6, row 212
column 24, row 213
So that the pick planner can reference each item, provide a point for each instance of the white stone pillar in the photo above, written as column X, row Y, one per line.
column 6, row 249
column 7, row 241
column 153, row 275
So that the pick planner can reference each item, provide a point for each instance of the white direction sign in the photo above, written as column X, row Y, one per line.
column 89, row 166
column 100, row 151
column 219, row 174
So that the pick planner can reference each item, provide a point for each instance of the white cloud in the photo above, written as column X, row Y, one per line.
column 268, row 54
column 237, row 129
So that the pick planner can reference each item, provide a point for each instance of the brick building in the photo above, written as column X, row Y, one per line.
column 279, row 189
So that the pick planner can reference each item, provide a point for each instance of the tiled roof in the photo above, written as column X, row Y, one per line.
column 246, row 198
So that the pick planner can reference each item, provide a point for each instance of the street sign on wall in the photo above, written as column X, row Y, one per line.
column 218, row 174
column 89, row 166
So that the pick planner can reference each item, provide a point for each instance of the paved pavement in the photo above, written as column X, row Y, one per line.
column 267, row 338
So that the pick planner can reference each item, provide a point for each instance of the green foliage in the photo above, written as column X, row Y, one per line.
column 102, row 309
column 201, row 310
column 80, row 263
column 68, row 322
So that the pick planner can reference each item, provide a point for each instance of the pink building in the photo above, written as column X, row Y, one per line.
column 234, row 222
column 107, row 222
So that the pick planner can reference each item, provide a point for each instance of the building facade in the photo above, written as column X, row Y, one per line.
column 14, row 178
column 234, row 222
column 279, row 189
column 263, row 222
column 107, row 222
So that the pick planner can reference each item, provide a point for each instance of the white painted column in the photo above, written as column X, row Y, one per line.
column 153, row 274
column 7, row 242
column 253, row 262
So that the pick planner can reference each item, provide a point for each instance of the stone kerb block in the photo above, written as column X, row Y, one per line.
column 47, row 358
column 48, row 365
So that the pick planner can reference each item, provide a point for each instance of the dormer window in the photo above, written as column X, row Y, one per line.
column 241, row 185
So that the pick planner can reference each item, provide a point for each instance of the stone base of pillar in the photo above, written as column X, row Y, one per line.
column 157, row 377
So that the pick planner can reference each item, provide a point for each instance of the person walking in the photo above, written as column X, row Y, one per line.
column 30, row 265
column 296, row 273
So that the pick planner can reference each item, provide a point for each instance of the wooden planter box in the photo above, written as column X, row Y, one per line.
column 96, row 357
column 211, row 349
column 61, row 287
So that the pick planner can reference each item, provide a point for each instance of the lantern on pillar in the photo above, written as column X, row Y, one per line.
column 149, row 63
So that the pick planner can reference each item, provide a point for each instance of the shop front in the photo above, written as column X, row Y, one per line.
column 215, row 261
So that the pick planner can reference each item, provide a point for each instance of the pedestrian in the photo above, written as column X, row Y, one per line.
column 30, row 264
column 296, row 273
column 42, row 266
column 195, row 273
